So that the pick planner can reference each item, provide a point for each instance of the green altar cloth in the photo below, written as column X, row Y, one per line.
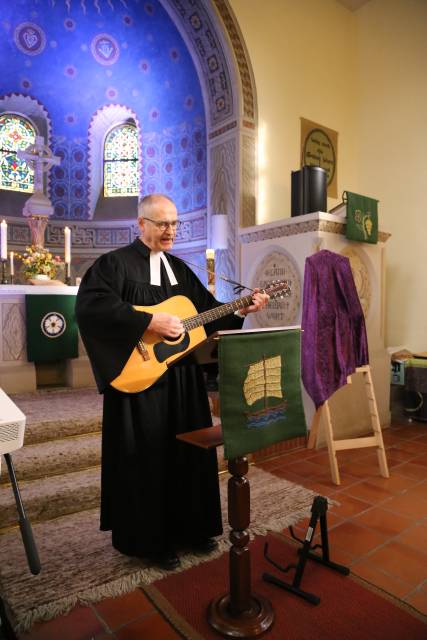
column 52, row 332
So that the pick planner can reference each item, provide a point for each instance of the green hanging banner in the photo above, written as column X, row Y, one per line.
column 362, row 218
column 52, row 332
column 260, row 392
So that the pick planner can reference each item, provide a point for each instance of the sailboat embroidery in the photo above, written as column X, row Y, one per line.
column 264, row 381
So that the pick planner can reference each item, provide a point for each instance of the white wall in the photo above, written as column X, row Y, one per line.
column 363, row 74
column 392, row 143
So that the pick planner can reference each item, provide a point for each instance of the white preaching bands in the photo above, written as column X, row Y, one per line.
column 155, row 276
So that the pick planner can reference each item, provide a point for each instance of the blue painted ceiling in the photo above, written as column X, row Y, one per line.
column 75, row 56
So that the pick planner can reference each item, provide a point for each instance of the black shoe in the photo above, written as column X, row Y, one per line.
column 167, row 560
column 206, row 545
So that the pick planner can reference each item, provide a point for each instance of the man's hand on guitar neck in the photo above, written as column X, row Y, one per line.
column 166, row 325
column 259, row 300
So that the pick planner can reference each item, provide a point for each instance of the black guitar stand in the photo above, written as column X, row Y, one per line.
column 318, row 511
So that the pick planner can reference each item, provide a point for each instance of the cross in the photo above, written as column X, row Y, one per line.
column 40, row 158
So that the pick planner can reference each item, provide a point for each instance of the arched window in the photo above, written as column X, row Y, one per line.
column 121, row 164
column 16, row 133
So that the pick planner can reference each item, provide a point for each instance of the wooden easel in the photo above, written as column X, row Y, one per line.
column 375, row 440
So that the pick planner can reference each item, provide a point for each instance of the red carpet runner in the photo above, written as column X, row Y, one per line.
column 347, row 611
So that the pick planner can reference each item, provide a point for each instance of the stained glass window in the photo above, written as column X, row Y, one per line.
column 121, row 164
column 15, row 133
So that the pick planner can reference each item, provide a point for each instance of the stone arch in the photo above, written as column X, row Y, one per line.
column 216, row 45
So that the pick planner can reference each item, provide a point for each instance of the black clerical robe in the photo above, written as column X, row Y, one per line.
column 156, row 492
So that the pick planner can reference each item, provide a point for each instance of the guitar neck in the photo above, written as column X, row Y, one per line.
column 217, row 312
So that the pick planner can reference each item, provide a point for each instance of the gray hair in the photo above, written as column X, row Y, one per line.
column 146, row 203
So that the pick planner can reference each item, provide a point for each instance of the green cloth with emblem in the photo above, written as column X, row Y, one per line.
column 260, row 391
column 52, row 332
column 362, row 218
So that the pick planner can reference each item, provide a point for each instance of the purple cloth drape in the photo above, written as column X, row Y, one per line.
column 334, row 338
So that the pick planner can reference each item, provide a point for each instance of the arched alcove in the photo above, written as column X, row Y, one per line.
column 101, row 123
column 86, row 48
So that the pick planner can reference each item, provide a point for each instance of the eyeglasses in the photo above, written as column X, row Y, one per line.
column 163, row 224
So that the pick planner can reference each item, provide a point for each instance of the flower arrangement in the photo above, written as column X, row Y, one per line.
column 37, row 260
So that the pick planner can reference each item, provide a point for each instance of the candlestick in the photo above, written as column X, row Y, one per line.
column 3, row 246
column 68, row 273
column 3, row 272
column 210, row 266
column 67, row 240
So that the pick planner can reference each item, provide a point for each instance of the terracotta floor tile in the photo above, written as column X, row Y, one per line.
column 401, row 561
column 360, row 469
column 349, row 506
column 384, row 522
column 412, row 470
column 320, row 488
column 150, row 627
column 395, row 483
column 306, row 469
column 372, row 574
column 410, row 430
column 416, row 537
column 419, row 490
column 355, row 539
column 368, row 492
column 392, row 438
column 341, row 556
column 397, row 454
column 408, row 505
column 319, row 458
column 283, row 472
column 117, row 611
column 345, row 479
column 411, row 446
column 80, row 624
column 418, row 599
column 422, row 459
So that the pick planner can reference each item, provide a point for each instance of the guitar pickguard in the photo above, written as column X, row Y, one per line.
column 163, row 350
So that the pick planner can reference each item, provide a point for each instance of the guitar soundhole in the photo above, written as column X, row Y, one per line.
column 172, row 339
column 163, row 350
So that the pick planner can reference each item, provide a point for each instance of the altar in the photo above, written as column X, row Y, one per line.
column 277, row 251
column 17, row 374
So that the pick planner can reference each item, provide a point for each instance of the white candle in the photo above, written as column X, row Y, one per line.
column 67, row 238
column 3, row 248
column 210, row 254
column 12, row 266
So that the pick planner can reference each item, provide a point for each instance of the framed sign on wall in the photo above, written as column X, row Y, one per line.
column 319, row 146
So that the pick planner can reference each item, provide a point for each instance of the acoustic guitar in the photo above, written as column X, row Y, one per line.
column 153, row 354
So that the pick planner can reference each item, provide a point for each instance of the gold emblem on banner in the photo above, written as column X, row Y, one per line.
column 319, row 146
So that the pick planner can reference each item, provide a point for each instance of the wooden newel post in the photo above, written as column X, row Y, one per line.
column 240, row 613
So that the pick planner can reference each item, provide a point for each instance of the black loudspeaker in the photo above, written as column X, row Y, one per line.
column 309, row 188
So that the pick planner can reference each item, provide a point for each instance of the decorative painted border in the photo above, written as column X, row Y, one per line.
column 301, row 227
column 102, row 236
column 237, row 42
column 224, row 129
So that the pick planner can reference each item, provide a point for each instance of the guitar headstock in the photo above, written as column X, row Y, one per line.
column 278, row 289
